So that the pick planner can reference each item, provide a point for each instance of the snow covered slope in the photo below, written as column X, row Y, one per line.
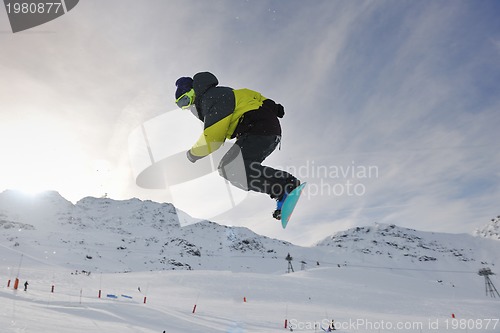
column 359, row 299
column 381, row 278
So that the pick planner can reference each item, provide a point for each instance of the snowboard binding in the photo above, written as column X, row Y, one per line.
column 286, row 204
column 280, row 201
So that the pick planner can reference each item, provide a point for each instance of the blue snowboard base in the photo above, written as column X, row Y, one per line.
column 290, row 203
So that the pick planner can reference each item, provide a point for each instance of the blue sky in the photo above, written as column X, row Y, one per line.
column 408, row 87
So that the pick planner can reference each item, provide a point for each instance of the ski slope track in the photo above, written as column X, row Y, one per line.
column 103, row 265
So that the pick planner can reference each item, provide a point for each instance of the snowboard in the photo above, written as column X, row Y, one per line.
column 289, row 204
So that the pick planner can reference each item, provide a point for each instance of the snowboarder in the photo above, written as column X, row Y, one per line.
column 26, row 284
column 247, row 116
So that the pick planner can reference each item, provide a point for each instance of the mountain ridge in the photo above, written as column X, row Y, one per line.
column 102, row 234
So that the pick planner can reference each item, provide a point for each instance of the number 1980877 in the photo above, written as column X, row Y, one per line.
column 33, row 8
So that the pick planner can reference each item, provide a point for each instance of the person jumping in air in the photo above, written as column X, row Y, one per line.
column 245, row 115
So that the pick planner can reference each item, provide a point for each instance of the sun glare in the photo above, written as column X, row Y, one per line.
column 40, row 156
column 31, row 190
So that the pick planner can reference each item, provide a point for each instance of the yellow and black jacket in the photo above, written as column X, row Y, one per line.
column 229, row 113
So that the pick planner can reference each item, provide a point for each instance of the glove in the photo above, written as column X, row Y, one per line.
column 191, row 157
column 280, row 110
column 276, row 108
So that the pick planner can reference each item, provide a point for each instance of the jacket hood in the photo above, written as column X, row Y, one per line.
column 204, row 81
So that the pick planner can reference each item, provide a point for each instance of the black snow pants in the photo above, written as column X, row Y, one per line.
column 242, row 166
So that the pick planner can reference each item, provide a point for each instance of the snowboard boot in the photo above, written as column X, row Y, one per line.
column 291, row 185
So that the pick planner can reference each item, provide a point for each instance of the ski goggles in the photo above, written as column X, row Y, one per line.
column 185, row 100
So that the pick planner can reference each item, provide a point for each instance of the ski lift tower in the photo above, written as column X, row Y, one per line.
column 490, row 288
column 289, row 259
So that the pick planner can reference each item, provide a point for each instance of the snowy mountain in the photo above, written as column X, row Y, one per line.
column 403, row 245
column 130, row 235
column 491, row 230
column 101, row 234
column 205, row 277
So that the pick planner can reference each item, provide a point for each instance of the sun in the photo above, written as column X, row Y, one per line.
column 40, row 155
